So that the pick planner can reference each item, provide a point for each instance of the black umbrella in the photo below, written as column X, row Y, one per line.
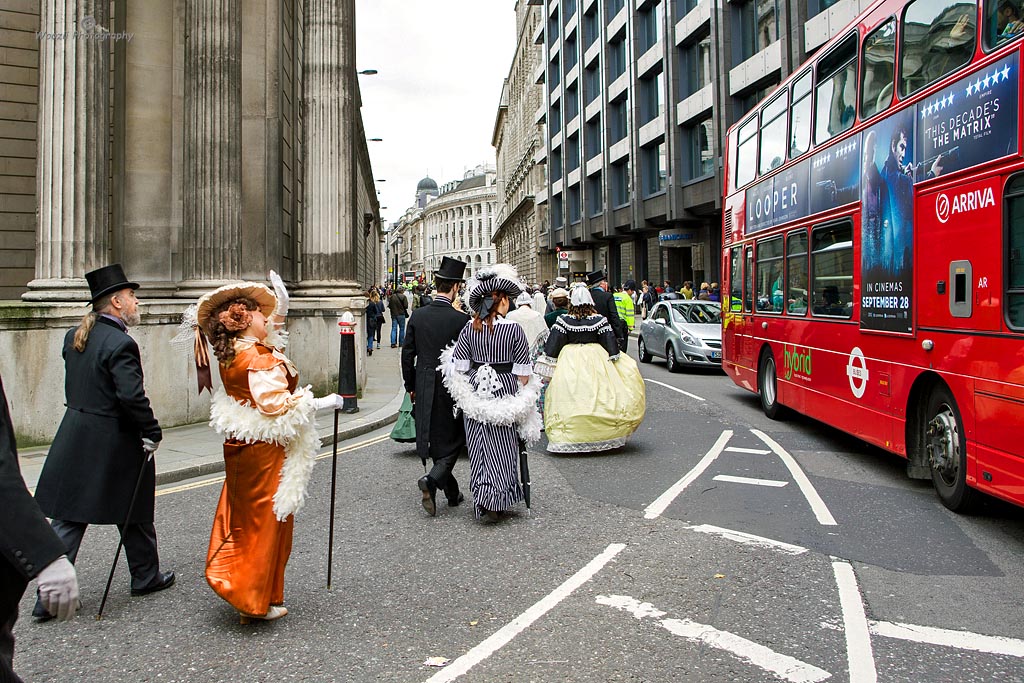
column 524, row 472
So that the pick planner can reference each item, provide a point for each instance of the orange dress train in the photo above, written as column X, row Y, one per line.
column 249, row 547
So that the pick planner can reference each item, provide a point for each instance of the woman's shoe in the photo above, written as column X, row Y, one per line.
column 369, row 352
column 273, row 612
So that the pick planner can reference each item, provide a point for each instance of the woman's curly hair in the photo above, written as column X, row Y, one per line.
column 226, row 321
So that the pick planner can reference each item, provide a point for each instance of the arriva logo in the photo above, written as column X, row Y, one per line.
column 798, row 361
column 946, row 208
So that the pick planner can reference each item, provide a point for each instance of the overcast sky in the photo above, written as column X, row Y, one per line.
column 435, row 98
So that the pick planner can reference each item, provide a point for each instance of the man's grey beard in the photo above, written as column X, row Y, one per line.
column 131, row 319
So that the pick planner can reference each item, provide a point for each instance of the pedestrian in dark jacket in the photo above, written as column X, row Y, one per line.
column 101, row 448
column 28, row 550
column 440, row 434
column 604, row 303
column 374, row 317
column 398, row 304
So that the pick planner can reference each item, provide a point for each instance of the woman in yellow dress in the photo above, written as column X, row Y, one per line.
column 596, row 397
column 270, row 446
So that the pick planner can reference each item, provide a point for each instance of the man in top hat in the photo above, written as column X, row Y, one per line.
column 604, row 302
column 440, row 435
column 101, row 448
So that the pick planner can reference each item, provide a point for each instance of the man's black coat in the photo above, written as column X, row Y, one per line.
column 604, row 302
column 96, row 457
column 432, row 328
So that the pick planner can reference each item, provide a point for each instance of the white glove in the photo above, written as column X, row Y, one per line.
column 282, row 296
column 329, row 401
column 149, row 445
column 58, row 588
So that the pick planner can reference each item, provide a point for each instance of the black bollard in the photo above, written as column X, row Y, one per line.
column 347, row 364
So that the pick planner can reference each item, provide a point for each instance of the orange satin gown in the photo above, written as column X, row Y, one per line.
column 249, row 547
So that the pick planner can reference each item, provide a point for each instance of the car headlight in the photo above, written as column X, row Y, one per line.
column 688, row 340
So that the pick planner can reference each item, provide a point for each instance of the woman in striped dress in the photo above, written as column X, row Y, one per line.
column 489, row 374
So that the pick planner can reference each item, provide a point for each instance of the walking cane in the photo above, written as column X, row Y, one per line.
column 334, row 480
column 347, row 390
column 120, row 540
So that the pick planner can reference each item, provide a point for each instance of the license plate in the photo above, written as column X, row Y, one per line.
column 716, row 354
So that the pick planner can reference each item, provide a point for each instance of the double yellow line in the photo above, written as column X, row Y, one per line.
column 219, row 479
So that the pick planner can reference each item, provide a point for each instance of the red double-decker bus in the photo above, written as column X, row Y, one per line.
column 874, row 242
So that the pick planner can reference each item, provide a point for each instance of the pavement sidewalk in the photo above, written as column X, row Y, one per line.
column 195, row 450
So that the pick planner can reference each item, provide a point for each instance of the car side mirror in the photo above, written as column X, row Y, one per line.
column 660, row 321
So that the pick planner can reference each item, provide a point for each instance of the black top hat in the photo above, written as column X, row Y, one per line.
column 451, row 269
column 595, row 277
column 107, row 280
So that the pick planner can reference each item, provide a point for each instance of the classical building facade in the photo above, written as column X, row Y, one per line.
column 196, row 144
column 638, row 95
column 458, row 222
column 521, row 237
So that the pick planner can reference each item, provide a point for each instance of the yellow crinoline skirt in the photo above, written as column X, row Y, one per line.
column 592, row 403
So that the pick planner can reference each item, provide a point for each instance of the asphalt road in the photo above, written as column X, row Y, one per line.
column 628, row 568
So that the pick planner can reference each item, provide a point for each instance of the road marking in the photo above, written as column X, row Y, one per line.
column 749, row 539
column 220, row 479
column 655, row 509
column 783, row 666
column 817, row 504
column 858, row 640
column 755, row 451
column 669, row 386
column 964, row 640
column 749, row 480
column 510, row 630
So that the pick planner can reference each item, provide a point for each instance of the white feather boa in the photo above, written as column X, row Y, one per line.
column 482, row 405
column 294, row 430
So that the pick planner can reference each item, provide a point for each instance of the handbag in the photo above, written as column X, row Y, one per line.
column 404, row 430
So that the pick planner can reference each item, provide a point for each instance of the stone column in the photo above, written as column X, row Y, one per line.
column 211, row 248
column 329, row 231
column 73, row 176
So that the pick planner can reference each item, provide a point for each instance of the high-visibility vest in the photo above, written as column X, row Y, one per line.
column 624, row 307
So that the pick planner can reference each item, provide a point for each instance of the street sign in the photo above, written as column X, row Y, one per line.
column 563, row 259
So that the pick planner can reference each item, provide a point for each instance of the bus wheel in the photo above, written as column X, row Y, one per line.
column 671, row 362
column 946, row 448
column 642, row 352
column 768, row 388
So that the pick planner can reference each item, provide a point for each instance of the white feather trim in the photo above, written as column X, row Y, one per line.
column 294, row 430
column 482, row 405
column 277, row 337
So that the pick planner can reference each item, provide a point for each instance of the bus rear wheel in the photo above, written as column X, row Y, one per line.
column 768, row 387
column 946, row 449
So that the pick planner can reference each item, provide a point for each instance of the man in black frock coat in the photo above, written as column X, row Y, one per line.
column 108, row 430
column 604, row 302
column 440, row 434
column 28, row 549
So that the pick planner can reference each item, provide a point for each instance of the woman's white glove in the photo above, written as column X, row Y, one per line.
column 58, row 588
column 149, row 445
column 282, row 296
column 329, row 401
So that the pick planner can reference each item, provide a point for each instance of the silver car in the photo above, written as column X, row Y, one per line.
column 683, row 332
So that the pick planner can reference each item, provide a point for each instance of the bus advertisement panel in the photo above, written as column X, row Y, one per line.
column 887, row 225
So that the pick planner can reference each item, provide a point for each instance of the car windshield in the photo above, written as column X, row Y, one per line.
column 697, row 314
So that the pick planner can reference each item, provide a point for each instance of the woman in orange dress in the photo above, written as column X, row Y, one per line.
column 270, row 446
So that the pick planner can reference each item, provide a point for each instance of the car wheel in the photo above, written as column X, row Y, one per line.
column 768, row 387
column 671, row 362
column 642, row 352
column 946, row 448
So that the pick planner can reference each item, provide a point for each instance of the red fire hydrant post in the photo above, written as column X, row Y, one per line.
column 347, row 364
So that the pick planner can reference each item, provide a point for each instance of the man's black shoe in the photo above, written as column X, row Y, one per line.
column 453, row 501
column 428, row 489
column 166, row 580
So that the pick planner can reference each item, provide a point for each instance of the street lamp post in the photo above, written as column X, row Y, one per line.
column 398, row 248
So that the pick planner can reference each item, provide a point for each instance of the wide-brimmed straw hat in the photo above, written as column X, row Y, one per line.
column 257, row 291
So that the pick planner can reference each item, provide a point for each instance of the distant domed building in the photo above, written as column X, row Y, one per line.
column 426, row 190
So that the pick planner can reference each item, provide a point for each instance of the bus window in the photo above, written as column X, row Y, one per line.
column 800, row 116
column 746, row 153
column 1015, row 253
column 877, row 71
column 735, row 281
column 796, row 273
column 1003, row 22
column 938, row 37
column 748, row 280
column 773, row 133
column 769, row 276
column 835, row 94
column 832, row 270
